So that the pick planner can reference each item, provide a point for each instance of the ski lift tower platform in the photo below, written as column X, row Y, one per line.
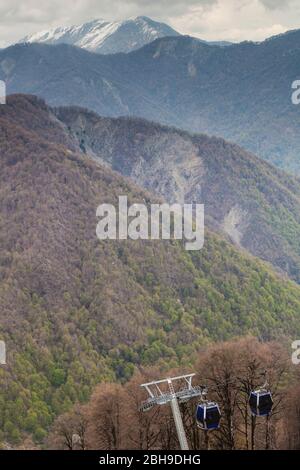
column 172, row 390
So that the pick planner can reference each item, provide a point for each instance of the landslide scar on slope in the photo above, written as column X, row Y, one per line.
column 234, row 224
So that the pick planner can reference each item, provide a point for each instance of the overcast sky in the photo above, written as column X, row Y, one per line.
column 232, row 20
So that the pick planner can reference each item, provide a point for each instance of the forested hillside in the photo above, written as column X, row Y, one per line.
column 254, row 204
column 75, row 311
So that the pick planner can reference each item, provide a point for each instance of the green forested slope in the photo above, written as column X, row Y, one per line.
column 75, row 311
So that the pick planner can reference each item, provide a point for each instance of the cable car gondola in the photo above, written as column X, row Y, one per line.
column 208, row 416
column 261, row 402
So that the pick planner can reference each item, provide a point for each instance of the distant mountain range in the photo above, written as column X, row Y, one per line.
column 106, row 37
column 241, row 92
column 109, row 37
column 76, row 311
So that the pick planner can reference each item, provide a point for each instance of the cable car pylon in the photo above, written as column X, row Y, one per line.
column 172, row 395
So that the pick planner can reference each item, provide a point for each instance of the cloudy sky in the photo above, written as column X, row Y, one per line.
column 232, row 20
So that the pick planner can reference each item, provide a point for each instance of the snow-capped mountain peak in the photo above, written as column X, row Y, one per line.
column 106, row 37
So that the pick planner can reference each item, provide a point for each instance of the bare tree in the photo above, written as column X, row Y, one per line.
column 66, row 427
column 106, row 415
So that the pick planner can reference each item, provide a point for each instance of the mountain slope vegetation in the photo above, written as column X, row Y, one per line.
column 75, row 311
column 253, row 203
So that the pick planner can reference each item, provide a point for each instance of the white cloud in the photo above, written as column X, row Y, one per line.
column 233, row 20
column 237, row 20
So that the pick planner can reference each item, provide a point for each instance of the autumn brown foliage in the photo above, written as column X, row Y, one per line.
column 230, row 370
